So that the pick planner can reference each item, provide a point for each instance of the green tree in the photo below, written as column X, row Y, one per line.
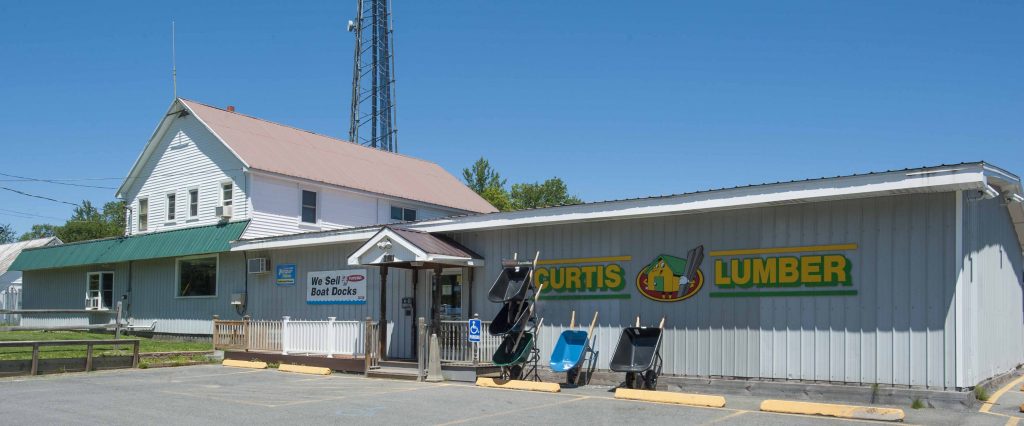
column 86, row 223
column 481, row 176
column 7, row 234
column 487, row 182
column 44, row 230
column 552, row 192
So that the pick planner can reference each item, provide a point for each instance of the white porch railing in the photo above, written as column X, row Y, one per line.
column 323, row 337
column 453, row 339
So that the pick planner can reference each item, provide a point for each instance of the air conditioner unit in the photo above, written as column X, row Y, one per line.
column 93, row 303
column 223, row 212
column 258, row 265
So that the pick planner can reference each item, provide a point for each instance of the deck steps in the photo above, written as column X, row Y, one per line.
column 396, row 373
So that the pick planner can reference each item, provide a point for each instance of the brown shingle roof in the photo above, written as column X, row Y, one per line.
column 277, row 148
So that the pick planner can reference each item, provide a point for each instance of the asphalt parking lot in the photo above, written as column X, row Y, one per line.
column 222, row 395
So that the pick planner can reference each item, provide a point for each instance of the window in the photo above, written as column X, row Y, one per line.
column 193, row 202
column 398, row 213
column 225, row 193
column 170, row 206
column 197, row 276
column 308, row 206
column 99, row 292
column 143, row 214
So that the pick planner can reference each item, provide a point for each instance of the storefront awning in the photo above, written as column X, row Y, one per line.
column 155, row 245
column 413, row 249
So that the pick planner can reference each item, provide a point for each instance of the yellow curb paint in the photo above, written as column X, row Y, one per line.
column 323, row 371
column 489, row 382
column 833, row 410
column 244, row 364
column 671, row 397
column 987, row 405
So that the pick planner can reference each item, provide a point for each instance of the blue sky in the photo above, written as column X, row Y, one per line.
column 618, row 100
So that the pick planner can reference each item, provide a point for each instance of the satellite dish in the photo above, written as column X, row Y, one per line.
column 351, row 26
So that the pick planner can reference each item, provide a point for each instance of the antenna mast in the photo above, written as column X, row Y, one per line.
column 174, row 64
column 372, row 117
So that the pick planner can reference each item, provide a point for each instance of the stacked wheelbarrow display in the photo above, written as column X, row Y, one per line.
column 516, row 321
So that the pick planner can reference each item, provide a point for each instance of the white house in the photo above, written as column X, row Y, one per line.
column 204, row 165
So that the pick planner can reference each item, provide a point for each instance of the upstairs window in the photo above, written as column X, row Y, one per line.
column 193, row 202
column 308, row 206
column 226, row 190
column 399, row 213
column 99, row 292
column 143, row 214
column 170, row 206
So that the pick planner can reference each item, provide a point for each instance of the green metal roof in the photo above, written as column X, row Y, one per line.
column 179, row 242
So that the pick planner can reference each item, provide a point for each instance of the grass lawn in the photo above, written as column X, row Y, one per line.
column 78, row 351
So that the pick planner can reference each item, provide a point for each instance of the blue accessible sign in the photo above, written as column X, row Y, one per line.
column 475, row 328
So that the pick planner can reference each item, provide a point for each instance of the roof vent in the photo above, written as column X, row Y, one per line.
column 231, row 108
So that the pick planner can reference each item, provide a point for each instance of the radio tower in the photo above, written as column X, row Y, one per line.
column 372, row 119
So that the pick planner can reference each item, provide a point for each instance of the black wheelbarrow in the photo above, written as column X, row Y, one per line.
column 638, row 354
column 512, row 284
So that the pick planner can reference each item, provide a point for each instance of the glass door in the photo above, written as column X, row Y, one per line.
column 451, row 296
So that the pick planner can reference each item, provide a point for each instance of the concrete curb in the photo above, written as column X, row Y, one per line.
column 671, row 397
column 291, row 368
column 833, row 410
column 489, row 382
column 244, row 364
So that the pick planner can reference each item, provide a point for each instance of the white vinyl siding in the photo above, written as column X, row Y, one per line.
column 188, row 156
column 277, row 207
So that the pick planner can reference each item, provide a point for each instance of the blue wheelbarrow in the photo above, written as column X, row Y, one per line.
column 571, row 351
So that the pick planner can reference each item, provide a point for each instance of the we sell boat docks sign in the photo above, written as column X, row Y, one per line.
column 336, row 287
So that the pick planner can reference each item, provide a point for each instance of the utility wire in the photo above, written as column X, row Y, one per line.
column 56, row 182
column 37, row 196
column 60, row 181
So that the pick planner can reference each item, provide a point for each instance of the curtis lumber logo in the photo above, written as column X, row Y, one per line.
column 671, row 279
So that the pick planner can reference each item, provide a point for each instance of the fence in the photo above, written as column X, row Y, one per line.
column 453, row 338
column 10, row 300
column 297, row 337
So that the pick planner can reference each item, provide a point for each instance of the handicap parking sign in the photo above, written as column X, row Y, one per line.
column 474, row 330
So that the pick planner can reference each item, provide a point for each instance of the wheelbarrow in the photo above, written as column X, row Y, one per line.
column 638, row 354
column 513, row 282
column 571, row 350
column 515, row 354
column 512, row 318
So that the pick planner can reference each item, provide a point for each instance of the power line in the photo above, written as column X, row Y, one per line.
column 56, row 182
column 37, row 196
column 28, row 215
column 60, row 181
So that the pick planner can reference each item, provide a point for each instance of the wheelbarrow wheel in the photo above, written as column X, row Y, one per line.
column 572, row 375
column 515, row 372
column 631, row 380
column 650, row 379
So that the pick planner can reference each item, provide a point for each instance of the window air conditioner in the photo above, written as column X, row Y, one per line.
column 92, row 303
column 223, row 212
column 258, row 265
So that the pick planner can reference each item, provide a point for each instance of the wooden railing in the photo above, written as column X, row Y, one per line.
column 88, row 349
column 371, row 342
column 230, row 334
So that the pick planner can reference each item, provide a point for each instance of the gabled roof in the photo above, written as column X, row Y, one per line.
column 397, row 246
column 152, row 245
column 9, row 252
column 275, row 148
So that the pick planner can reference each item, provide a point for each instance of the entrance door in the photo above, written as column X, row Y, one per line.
column 451, row 296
